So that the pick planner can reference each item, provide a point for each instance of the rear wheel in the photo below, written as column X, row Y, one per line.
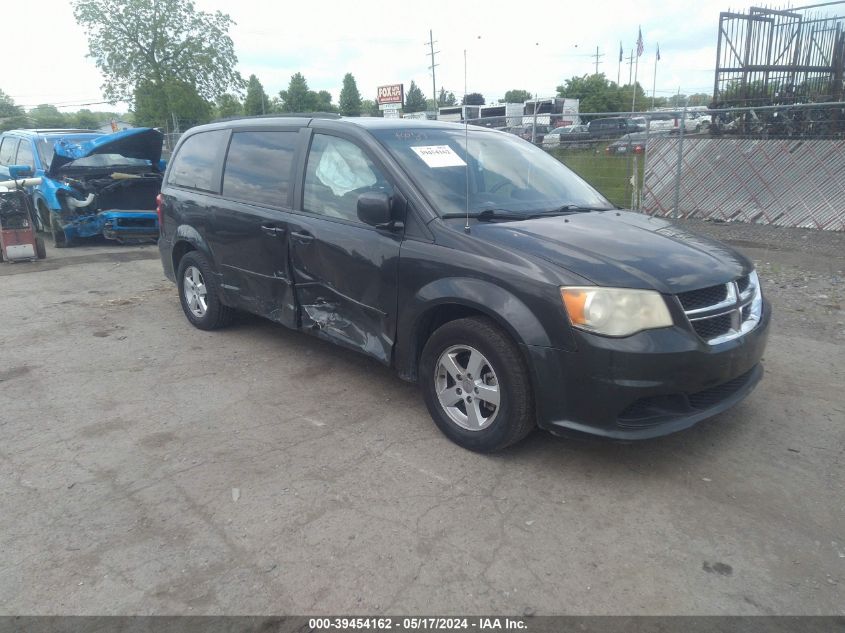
column 199, row 293
column 40, row 248
column 475, row 384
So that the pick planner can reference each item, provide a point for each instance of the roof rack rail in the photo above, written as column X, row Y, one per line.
column 283, row 115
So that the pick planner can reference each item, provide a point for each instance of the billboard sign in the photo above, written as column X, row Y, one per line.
column 394, row 93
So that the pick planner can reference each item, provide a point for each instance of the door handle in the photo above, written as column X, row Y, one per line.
column 303, row 238
column 272, row 231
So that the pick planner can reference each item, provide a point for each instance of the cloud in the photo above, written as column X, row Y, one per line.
column 534, row 46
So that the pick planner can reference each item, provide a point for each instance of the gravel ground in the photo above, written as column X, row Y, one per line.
column 803, row 272
column 148, row 467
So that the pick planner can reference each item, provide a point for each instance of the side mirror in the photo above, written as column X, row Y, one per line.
column 374, row 209
column 19, row 172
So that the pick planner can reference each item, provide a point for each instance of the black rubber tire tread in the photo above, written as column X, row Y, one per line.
column 217, row 315
column 43, row 214
column 40, row 248
column 59, row 239
column 516, row 418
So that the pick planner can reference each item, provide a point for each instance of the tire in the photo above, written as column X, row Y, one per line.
column 501, row 365
column 40, row 248
column 43, row 217
column 199, row 293
column 58, row 233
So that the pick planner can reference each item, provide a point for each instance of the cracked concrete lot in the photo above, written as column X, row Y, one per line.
column 147, row 467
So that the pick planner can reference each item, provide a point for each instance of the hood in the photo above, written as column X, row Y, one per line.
column 622, row 249
column 140, row 142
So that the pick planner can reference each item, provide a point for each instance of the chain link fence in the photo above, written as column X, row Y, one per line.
column 782, row 165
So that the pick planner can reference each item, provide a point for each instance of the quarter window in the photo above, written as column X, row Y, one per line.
column 7, row 150
column 258, row 167
column 338, row 172
column 196, row 163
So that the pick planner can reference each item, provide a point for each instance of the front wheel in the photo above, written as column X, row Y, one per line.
column 40, row 248
column 476, row 386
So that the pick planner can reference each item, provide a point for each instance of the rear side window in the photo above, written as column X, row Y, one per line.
column 25, row 155
column 7, row 150
column 258, row 167
column 195, row 165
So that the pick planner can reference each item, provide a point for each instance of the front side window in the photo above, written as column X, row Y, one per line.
column 338, row 172
column 195, row 165
column 258, row 167
column 7, row 150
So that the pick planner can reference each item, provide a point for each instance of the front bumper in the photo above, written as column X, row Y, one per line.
column 647, row 385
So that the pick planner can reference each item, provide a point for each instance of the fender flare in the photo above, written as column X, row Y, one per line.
column 485, row 297
column 186, row 233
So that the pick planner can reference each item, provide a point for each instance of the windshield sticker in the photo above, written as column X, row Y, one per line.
column 439, row 156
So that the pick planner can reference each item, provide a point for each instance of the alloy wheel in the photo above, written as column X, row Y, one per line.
column 467, row 387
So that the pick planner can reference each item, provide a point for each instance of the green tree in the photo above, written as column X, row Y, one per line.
column 228, row 105
column 700, row 99
column 256, row 101
column 596, row 93
column 184, row 102
column 46, row 116
column 414, row 99
column 516, row 96
column 323, row 102
column 473, row 98
column 350, row 98
column 158, row 43
column 86, row 120
column 445, row 99
column 370, row 108
column 626, row 94
column 298, row 98
column 11, row 115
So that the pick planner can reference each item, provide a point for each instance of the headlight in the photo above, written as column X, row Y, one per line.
column 615, row 311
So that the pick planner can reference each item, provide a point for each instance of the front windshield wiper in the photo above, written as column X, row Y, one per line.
column 487, row 215
column 567, row 208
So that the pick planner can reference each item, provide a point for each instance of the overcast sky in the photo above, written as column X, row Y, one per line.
column 529, row 45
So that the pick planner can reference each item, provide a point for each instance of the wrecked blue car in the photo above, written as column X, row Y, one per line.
column 92, row 183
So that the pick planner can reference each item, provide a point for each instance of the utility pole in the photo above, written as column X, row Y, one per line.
column 597, row 56
column 630, row 66
column 432, row 52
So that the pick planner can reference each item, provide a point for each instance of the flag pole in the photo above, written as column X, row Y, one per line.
column 636, row 69
column 654, row 83
column 634, row 86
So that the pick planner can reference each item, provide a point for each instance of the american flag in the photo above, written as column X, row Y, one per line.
column 640, row 41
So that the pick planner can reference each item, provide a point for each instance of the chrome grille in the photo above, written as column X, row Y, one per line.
column 724, row 312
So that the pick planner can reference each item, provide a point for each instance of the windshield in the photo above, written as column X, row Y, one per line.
column 505, row 173
column 46, row 145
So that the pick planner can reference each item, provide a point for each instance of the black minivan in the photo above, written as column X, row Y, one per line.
column 470, row 261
